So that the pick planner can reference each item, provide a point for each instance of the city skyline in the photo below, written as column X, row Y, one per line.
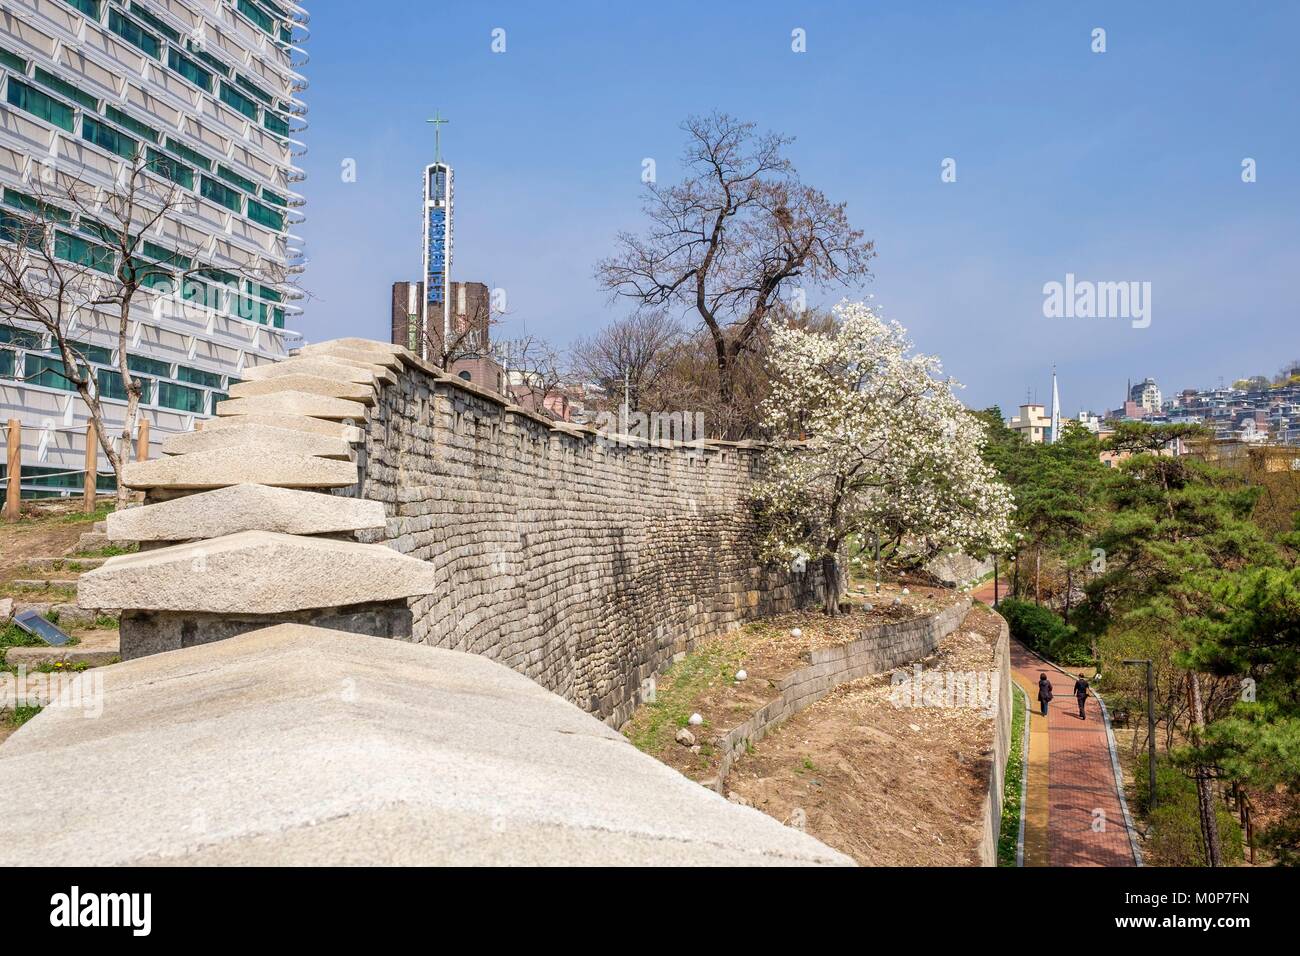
column 1061, row 168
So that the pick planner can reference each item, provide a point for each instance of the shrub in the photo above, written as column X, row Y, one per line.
column 1174, row 829
column 1042, row 631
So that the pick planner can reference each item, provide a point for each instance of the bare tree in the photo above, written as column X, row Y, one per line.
column 79, row 260
column 636, row 353
column 534, row 371
column 470, row 332
column 728, row 241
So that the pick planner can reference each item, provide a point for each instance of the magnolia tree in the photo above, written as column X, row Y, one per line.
column 887, row 450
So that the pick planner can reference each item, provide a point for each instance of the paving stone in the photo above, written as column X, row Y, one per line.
column 256, row 572
column 310, row 384
column 232, row 465
column 257, row 439
column 245, row 507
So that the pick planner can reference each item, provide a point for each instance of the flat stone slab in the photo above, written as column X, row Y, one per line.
column 294, row 745
column 320, row 366
column 256, row 572
column 310, row 384
column 246, row 507
column 382, row 357
column 256, row 438
column 294, row 403
column 315, row 426
column 233, row 465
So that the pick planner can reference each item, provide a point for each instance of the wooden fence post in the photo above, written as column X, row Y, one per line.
column 13, row 487
column 142, row 441
column 92, row 453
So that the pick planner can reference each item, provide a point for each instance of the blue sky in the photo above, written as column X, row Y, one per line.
column 1118, row 166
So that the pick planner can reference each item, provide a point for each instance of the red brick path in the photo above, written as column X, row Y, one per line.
column 1085, row 824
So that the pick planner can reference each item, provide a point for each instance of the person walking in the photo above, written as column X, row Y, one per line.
column 1044, row 692
column 1081, row 695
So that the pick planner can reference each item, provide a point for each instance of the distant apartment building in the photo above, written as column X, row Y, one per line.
column 1146, row 395
column 208, row 92
column 1032, row 423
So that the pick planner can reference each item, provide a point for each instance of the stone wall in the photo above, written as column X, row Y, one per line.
column 578, row 562
column 583, row 563
column 879, row 648
column 991, row 812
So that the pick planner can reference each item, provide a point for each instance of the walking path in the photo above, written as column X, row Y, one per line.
column 1085, row 823
column 1073, row 815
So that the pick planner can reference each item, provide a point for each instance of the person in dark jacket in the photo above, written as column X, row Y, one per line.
column 1044, row 693
column 1081, row 695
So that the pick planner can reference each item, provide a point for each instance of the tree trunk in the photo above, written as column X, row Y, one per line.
column 1069, row 584
column 1038, row 574
column 1204, row 794
column 831, row 583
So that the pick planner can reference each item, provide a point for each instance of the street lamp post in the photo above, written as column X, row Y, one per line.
column 1151, row 729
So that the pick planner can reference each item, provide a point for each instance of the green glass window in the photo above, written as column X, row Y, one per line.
column 134, row 34
column 189, row 69
column 154, row 278
column 218, row 397
column 219, row 276
column 255, row 90
column 265, row 291
column 131, row 123
column 46, row 370
column 274, row 198
column 189, row 155
column 207, row 58
column 172, row 169
column 259, row 16
column 89, row 7
column 16, row 229
column 110, row 385
column 75, row 249
column 277, row 317
column 13, row 61
column 230, row 176
column 146, row 17
column 64, row 88
column 7, row 359
column 222, row 194
column 108, row 138
column 196, row 290
column 94, row 353
column 180, row 397
column 237, row 100
column 148, row 366
column 198, row 377
column 33, row 205
column 164, row 255
column 22, row 338
column 265, row 215
column 38, row 104
column 276, row 123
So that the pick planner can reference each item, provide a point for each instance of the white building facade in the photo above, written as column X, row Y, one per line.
column 209, row 91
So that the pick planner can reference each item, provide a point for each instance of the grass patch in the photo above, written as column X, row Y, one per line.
column 1014, row 784
column 99, row 514
column 655, row 725
column 19, row 715
column 60, row 594
column 109, row 551
column 11, row 635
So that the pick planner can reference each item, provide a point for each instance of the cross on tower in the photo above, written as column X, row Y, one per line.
column 438, row 123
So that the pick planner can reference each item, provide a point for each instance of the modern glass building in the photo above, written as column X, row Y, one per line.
column 209, row 91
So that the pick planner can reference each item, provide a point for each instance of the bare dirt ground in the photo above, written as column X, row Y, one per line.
column 889, row 786
column 766, row 650
column 46, row 529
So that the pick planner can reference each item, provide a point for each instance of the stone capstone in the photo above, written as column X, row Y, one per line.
column 255, row 572
column 245, row 507
column 234, row 465
column 321, row 367
column 295, row 403
column 257, row 439
column 294, row 745
column 308, row 384
column 316, row 426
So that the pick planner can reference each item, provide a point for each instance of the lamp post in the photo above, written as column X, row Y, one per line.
column 995, row 579
column 1151, row 729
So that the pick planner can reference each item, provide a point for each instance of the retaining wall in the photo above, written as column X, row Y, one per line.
column 991, row 811
column 879, row 648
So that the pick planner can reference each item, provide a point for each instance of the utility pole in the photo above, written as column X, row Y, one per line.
column 995, row 580
column 1151, row 731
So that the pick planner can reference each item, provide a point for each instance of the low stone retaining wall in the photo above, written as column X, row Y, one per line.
column 879, row 648
column 992, row 809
